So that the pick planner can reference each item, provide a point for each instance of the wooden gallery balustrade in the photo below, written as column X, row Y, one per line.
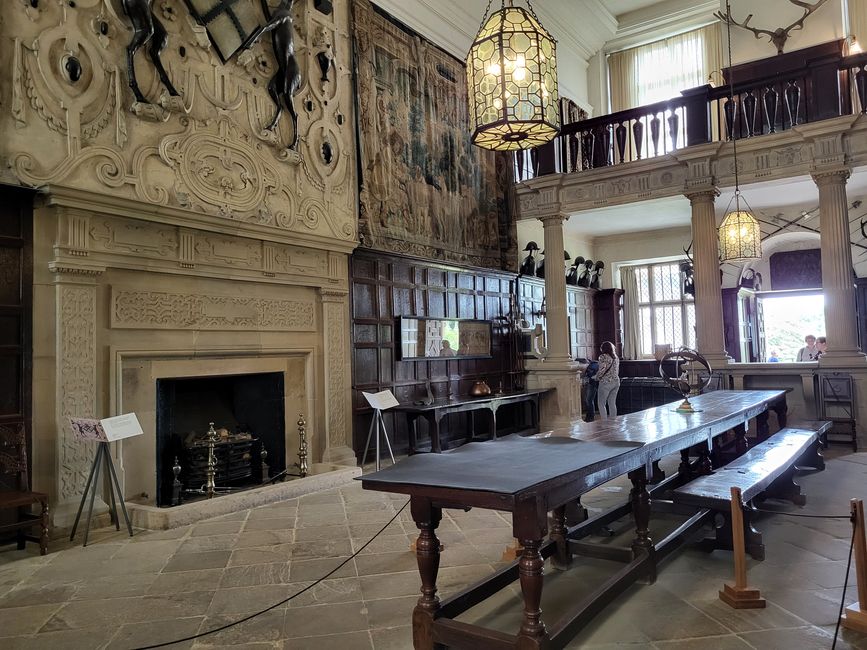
column 770, row 95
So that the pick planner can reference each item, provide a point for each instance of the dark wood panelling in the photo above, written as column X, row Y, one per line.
column 387, row 286
column 580, row 306
column 608, row 311
column 16, row 306
column 796, row 269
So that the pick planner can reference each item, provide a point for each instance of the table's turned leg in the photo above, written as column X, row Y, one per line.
column 530, row 569
column 427, row 552
column 640, row 498
column 562, row 558
column 763, row 429
column 741, row 443
column 705, row 466
column 493, row 423
column 781, row 409
column 435, row 433
column 684, row 469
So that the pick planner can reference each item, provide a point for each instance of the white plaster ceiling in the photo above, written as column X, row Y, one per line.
column 620, row 7
column 657, row 214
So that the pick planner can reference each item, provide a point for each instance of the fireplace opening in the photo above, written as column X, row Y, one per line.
column 249, row 445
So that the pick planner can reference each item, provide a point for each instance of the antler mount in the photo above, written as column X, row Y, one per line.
column 780, row 35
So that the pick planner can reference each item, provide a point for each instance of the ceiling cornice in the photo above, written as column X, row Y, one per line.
column 661, row 21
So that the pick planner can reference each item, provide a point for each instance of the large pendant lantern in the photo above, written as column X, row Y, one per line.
column 512, row 81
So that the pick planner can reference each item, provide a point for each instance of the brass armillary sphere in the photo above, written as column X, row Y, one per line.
column 512, row 81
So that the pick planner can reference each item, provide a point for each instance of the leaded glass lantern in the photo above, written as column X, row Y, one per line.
column 512, row 81
column 740, row 236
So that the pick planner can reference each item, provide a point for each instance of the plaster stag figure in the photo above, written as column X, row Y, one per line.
column 287, row 81
column 147, row 30
column 781, row 34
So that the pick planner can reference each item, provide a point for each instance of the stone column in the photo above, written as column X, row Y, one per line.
column 556, row 370
column 710, row 338
column 338, row 428
column 841, row 326
column 556, row 315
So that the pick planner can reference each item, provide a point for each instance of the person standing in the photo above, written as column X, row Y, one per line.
column 821, row 346
column 809, row 352
column 608, row 377
column 591, row 388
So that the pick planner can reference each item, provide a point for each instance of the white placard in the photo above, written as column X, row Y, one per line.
column 121, row 426
column 382, row 400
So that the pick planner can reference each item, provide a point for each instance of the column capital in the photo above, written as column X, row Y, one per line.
column 552, row 219
column 333, row 295
column 831, row 176
column 702, row 194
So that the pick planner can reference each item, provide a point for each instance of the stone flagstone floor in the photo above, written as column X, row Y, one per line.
column 158, row 586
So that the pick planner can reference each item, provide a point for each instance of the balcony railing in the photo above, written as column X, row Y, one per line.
column 817, row 88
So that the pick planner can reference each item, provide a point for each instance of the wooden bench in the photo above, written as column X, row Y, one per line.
column 766, row 470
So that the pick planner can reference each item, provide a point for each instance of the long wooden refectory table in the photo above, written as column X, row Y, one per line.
column 533, row 476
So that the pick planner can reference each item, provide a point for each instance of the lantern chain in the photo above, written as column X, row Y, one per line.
column 485, row 15
column 732, row 100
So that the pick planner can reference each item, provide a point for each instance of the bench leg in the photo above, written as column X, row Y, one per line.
column 753, row 543
column 813, row 458
column 786, row 488
column 563, row 557
column 20, row 534
column 576, row 513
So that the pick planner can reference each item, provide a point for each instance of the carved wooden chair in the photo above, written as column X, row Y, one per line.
column 14, row 489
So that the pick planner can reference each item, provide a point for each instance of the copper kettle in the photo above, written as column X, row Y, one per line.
column 480, row 389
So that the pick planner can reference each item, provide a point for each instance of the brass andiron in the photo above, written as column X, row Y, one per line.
column 211, row 475
column 302, row 448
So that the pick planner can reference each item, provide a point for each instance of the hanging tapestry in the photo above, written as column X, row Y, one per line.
column 426, row 190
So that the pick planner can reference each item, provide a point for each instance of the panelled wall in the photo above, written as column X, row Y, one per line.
column 16, row 283
column 385, row 287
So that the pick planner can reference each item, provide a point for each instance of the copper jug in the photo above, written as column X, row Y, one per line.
column 480, row 389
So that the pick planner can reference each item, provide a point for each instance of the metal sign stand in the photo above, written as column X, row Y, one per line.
column 377, row 424
column 102, row 453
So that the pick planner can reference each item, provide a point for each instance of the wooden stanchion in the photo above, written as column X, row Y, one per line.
column 739, row 595
column 855, row 616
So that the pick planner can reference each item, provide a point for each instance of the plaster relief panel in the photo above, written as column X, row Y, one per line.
column 180, row 311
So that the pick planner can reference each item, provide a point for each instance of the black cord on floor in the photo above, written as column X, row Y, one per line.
column 285, row 600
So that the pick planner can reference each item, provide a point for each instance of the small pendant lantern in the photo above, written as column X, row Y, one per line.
column 512, row 81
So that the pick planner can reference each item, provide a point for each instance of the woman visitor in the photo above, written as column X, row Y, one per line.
column 608, row 377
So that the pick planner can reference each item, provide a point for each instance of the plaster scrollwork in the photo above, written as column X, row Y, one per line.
column 205, row 153
column 182, row 311
column 77, row 381
column 220, row 168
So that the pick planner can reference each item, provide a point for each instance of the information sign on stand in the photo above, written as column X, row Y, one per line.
column 103, row 432
column 380, row 402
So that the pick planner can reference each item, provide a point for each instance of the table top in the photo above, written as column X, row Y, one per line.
column 514, row 466
column 469, row 400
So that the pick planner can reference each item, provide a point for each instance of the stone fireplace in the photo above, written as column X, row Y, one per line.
column 248, row 413
column 177, row 237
